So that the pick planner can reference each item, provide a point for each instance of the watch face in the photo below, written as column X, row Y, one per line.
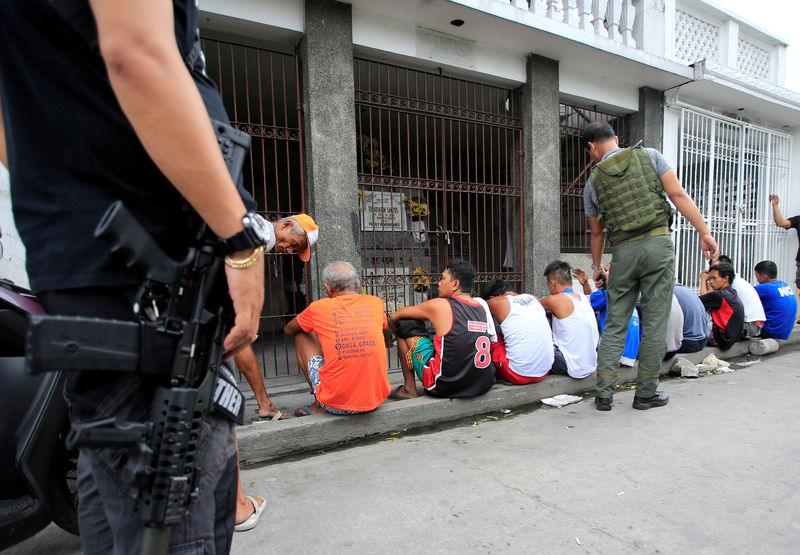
column 259, row 225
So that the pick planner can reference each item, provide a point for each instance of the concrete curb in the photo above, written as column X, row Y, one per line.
column 260, row 443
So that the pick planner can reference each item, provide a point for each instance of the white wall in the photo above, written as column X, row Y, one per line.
column 12, row 263
column 408, row 40
column 608, row 92
column 284, row 14
column 672, row 118
column 791, row 206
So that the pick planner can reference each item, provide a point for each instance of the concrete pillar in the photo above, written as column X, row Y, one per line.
column 729, row 44
column 649, row 30
column 541, row 170
column 647, row 125
column 326, row 54
column 669, row 29
column 777, row 72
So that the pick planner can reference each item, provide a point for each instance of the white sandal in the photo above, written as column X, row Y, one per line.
column 252, row 520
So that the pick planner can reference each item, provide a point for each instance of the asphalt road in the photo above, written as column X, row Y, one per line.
column 715, row 471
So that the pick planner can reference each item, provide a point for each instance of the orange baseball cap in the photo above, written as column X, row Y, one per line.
column 312, row 232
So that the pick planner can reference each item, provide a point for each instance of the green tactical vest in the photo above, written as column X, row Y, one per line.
column 630, row 194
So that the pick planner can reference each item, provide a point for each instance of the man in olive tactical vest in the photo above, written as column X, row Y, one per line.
column 626, row 198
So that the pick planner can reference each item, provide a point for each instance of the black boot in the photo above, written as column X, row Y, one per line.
column 660, row 399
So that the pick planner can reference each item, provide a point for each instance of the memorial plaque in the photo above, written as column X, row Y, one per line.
column 382, row 211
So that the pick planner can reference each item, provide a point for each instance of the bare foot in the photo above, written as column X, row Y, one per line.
column 245, row 508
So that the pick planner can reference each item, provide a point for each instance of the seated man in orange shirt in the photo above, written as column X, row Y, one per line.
column 341, row 346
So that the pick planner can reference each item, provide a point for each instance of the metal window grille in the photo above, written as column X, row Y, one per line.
column 439, row 178
column 730, row 168
column 575, row 167
column 261, row 92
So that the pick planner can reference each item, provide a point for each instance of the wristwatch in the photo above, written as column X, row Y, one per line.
column 257, row 232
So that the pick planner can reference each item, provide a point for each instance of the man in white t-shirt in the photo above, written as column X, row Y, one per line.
column 754, row 316
column 525, row 352
column 575, row 333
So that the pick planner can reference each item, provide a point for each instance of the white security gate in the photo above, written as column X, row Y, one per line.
column 730, row 168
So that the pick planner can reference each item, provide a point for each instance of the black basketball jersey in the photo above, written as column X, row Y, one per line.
column 462, row 365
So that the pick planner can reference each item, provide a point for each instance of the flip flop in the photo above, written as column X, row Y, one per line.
column 252, row 520
column 275, row 417
column 298, row 412
column 395, row 394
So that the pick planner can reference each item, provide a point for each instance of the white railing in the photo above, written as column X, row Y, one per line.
column 608, row 18
column 681, row 30
column 730, row 168
column 712, row 34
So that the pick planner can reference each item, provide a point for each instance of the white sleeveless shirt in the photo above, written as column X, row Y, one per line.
column 753, row 310
column 577, row 337
column 526, row 332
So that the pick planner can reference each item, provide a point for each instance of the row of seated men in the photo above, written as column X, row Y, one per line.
column 341, row 340
column 739, row 310
column 728, row 309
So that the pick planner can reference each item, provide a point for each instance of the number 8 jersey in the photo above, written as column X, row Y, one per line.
column 462, row 363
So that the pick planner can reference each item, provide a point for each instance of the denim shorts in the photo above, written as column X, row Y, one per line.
column 314, row 364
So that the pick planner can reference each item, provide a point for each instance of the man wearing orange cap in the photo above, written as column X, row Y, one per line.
column 293, row 234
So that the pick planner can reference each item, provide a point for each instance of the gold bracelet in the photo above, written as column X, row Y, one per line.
column 247, row 262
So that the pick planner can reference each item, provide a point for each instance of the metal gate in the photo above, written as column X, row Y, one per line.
column 730, row 168
column 439, row 177
column 261, row 92
column 575, row 167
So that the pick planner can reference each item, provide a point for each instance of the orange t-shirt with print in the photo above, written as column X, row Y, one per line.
column 350, row 330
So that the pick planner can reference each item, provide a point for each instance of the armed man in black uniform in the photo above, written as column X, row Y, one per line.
column 109, row 101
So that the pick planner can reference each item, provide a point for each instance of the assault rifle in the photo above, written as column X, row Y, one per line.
column 181, row 307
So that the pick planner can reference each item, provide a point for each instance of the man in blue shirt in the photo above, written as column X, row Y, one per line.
column 695, row 320
column 777, row 297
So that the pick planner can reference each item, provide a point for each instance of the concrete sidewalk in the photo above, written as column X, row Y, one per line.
column 266, row 441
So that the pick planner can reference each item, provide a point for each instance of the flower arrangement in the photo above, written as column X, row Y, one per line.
column 420, row 279
column 373, row 160
column 416, row 207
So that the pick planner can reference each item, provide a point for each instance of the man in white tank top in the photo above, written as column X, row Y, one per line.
column 575, row 332
column 525, row 353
